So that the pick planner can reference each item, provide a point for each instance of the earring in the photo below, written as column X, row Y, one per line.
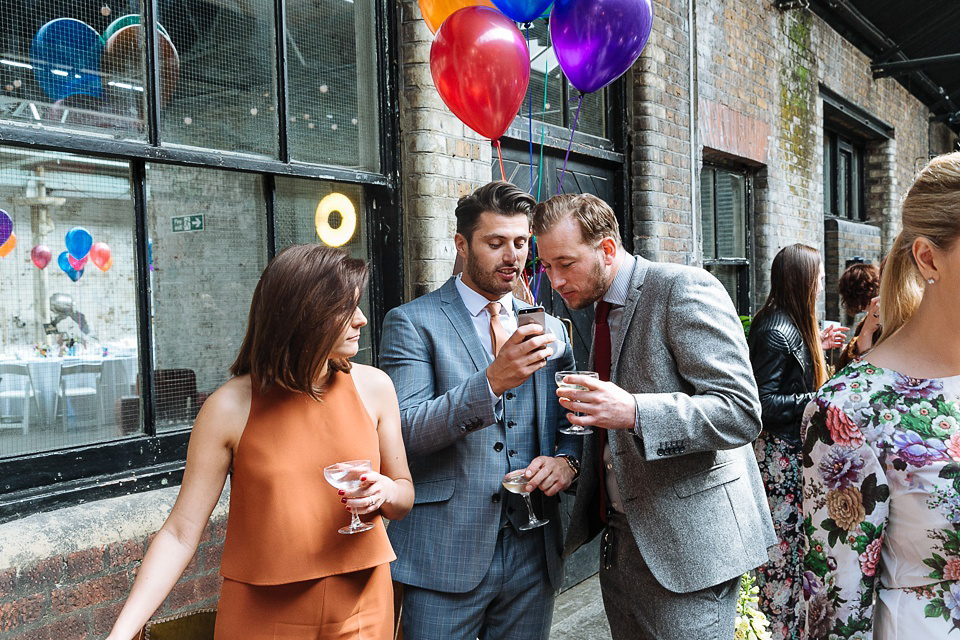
column 931, row 281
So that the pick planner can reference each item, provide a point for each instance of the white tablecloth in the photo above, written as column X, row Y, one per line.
column 118, row 377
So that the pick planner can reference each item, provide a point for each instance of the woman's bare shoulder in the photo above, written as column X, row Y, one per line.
column 227, row 409
column 372, row 379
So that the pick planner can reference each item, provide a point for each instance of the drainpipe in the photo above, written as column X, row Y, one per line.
column 697, row 255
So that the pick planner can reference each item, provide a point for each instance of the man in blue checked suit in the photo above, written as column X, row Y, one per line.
column 477, row 400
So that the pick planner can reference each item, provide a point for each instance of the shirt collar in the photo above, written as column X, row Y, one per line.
column 617, row 293
column 477, row 304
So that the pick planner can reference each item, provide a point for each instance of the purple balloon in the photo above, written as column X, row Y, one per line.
column 6, row 226
column 596, row 41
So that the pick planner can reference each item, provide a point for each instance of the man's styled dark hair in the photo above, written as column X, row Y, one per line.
column 499, row 197
column 303, row 302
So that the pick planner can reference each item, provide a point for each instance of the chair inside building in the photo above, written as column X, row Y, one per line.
column 78, row 400
column 16, row 397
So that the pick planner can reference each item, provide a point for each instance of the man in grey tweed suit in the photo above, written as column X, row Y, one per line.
column 477, row 401
column 670, row 478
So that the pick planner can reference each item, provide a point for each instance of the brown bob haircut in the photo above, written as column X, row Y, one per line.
column 303, row 302
column 594, row 216
column 499, row 197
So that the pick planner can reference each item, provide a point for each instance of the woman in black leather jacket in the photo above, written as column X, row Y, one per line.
column 786, row 350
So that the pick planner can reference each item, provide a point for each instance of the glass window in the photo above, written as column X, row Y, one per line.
column 723, row 220
column 72, row 65
column 225, row 97
column 559, row 106
column 207, row 248
column 332, row 83
column 69, row 320
column 843, row 177
column 331, row 213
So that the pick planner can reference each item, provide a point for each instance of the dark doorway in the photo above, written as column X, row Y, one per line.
column 603, row 180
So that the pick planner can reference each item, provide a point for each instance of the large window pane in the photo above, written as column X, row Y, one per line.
column 708, row 219
column 68, row 356
column 332, row 80
column 333, row 214
column 72, row 65
column 731, row 215
column 226, row 96
column 207, row 249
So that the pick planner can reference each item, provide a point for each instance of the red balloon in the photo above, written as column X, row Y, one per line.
column 481, row 66
column 77, row 264
column 41, row 256
column 100, row 255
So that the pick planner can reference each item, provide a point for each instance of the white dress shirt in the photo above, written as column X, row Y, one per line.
column 476, row 305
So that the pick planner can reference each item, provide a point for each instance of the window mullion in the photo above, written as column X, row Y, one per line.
column 144, row 295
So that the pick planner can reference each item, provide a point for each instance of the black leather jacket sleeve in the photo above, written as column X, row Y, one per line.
column 782, row 394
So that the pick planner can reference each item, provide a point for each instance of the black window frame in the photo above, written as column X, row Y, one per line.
column 745, row 283
column 151, row 460
column 847, row 203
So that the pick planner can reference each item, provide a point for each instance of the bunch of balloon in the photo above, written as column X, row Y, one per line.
column 8, row 239
column 596, row 42
column 74, row 259
column 481, row 68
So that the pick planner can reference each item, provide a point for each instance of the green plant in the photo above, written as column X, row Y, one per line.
column 751, row 624
column 746, row 321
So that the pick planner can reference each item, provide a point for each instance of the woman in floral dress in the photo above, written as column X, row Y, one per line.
column 786, row 352
column 881, row 466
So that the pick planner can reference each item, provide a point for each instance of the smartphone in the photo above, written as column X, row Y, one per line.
column 532, row 315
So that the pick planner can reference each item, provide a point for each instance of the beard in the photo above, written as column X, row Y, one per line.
column 488, row 281
column 593, row 290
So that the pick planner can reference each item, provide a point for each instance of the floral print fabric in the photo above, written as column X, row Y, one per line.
column 881, row 477
column 780, row 581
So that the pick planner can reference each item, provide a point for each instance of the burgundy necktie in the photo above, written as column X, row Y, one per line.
column 601, row 363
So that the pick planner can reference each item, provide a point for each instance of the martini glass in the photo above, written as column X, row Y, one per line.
column 346, row 476
column 514, row 482
column 574, row 429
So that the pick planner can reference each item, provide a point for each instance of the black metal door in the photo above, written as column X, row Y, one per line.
column 601, row 180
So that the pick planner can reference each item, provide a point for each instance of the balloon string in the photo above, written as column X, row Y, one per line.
column 530, row 113
column 539, row 272
column 570, row 145
column 543, row 127
column 496, row 143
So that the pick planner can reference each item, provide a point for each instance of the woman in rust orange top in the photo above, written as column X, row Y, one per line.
column 295, row 406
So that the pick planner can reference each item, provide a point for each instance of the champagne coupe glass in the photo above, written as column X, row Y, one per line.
column 346, row 476
column 574, row 429
column 514, row 482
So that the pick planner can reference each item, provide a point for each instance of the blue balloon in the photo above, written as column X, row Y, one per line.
column 523, row 11
column 66, row 59
column 67, row 268
column 79, row 242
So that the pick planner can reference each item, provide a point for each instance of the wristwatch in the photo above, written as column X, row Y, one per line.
column 573, row 462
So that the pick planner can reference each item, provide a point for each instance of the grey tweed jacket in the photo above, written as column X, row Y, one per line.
column 690, row 487
column 431, row 351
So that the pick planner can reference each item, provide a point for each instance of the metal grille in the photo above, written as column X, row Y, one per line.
column 69, row 335
column 72, row 65
column 225, row 95
column 332, row 82
column 207, row 248
column 334, row 214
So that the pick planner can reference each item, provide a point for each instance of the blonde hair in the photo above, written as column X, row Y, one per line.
column 594, row 216
column 931, row 210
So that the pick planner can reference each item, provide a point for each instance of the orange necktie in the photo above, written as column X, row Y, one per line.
column 498, row 335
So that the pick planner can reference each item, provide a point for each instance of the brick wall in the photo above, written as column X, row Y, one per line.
column 658, row 97
column 66, row 574
column 441, row 160
column 760, row 72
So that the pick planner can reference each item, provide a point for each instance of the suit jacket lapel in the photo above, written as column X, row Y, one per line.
column 629, row 312
column 453, row 307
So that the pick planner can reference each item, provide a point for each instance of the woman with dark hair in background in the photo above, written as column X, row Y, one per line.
column 786, row 351
column 296, row 405
column 859, row 289
column 882, row 447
